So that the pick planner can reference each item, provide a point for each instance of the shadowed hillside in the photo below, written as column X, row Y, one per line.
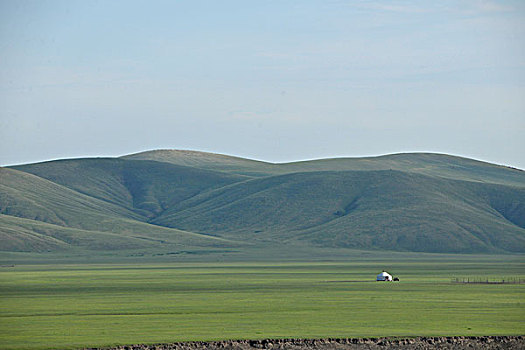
column 146, row 187
column 185, row 200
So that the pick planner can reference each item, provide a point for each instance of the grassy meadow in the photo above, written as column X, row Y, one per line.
column 74, row 306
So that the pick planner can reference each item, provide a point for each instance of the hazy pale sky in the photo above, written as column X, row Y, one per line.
column 271, row 80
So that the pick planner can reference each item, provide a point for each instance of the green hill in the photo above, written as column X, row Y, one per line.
column 210, row 161
column 40, row 215
column 432, row 164
column 188, row 201
column 362, row 209
column 145, row 187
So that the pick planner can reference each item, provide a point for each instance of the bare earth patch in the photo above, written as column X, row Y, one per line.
column 422, row 343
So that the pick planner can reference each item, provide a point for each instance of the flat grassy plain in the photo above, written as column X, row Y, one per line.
column 74, row 306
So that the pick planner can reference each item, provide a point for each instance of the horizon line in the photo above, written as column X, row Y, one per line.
column 265, row 161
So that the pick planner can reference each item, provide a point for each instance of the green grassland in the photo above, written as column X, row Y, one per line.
column 167, row 246
column 78, row 305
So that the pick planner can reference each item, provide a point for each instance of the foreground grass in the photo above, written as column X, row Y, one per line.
column 73, row 306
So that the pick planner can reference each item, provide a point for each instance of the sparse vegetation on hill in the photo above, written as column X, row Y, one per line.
column 184, row 200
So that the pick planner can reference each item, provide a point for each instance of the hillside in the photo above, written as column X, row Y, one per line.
column 40, row 215
column 185, row 201
column 432, row 164
column 209, row 161
column 145, row 187
column 361, row 209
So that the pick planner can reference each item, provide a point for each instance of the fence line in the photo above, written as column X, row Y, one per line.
column 489, row 280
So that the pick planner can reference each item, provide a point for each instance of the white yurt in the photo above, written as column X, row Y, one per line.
column 384, row 276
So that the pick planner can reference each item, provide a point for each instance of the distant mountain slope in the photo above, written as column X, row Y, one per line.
column 210, row 161
column 362, row 209
column 432, row 164
column 41, row 215
column 184, row 200
column 26, row 235
column 32, row 197
column 145, row 187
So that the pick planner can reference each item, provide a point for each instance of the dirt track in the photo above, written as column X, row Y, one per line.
column 423, row 343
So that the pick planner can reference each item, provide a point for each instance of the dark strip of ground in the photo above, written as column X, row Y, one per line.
column 420, row 343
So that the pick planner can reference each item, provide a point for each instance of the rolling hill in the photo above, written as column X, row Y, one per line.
column 353, row 209
column 40, row 215
column 188, row 201
column 432, row 164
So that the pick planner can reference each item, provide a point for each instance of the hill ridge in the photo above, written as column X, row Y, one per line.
column 435, row 164
column 191, row 200
column 386, row 155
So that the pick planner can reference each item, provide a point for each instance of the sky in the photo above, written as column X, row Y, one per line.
column 270, row 80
